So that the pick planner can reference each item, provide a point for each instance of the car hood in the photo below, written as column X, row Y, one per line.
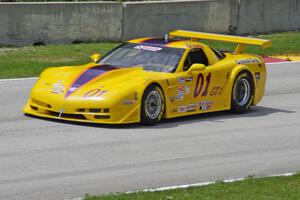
column 91, row 80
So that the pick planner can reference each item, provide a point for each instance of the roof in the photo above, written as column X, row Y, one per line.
column 160, row 42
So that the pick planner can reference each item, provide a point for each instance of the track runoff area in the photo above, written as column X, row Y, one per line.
column 52, row 160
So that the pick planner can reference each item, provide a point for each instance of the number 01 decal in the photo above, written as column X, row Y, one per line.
column 200, row 84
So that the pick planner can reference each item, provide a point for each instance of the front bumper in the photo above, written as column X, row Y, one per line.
column 121, row 114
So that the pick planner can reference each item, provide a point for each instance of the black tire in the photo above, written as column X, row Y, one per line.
column 242, row 93
column 152, row 105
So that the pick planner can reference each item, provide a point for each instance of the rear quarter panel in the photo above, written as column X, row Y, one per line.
column 256, row 67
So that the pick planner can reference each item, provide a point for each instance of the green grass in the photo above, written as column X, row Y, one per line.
column 275, row 188
column 30, row 61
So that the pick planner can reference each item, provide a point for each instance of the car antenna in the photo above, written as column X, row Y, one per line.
column 166, row 37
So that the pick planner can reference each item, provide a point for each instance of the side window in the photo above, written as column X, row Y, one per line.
column 195, row 56
column 219, row 55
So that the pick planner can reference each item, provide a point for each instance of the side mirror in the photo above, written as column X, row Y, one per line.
column 95, row 57
column 196, row 67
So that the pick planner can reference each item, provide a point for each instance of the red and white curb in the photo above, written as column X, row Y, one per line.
column 196, row 184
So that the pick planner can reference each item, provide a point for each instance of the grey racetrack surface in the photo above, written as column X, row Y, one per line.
column 43, row 159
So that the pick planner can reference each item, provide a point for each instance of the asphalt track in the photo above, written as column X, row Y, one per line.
column 44, row 159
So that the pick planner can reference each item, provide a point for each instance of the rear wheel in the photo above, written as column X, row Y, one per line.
column 153, row 105
column 242, row 93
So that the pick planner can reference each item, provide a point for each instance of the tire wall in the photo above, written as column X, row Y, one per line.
column 259, row 16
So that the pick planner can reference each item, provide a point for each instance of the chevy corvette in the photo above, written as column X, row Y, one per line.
column 147, row 79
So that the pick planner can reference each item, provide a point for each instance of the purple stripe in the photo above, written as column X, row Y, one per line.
column 88, row 75
column 157, row 42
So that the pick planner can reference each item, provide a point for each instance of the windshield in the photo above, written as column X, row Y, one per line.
column 150, row 57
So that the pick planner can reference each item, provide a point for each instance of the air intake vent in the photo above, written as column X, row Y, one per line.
column 102, row 116
column 67, row 116
column 40, row 103
column 93, row 110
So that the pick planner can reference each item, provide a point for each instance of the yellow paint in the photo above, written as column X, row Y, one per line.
column 111, row 89
column 95, row 57
column 224, row 38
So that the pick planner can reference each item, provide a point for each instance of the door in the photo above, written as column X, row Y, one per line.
column 206, row 86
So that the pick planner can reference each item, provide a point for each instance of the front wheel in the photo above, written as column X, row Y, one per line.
column 242, row 93
column 152, row 106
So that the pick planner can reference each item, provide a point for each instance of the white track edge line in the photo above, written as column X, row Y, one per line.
column 18, row 79
column 207, row 183
column 284, row 62
column 196, row 184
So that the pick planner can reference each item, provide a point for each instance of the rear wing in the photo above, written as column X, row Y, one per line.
column 240, row 41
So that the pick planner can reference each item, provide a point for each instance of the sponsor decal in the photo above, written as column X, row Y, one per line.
column 181, row 90
column 172, row 99
column 192, row 45
column 182, row 108
column 247, row 61
column 127, row 102
column 181, row 80
column 257, row 76
column 187, row 89
column 148, row 48
column 180, row 93
column 188, row 79
column 179, row 97
column 205, row 105
column 58, row 88
column 191, row 107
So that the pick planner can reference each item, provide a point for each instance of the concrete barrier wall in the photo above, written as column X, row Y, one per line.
column 28, row 23
column 257, row 16
column 158, row 18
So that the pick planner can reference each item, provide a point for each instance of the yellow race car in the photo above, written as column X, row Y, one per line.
column 147, row 79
